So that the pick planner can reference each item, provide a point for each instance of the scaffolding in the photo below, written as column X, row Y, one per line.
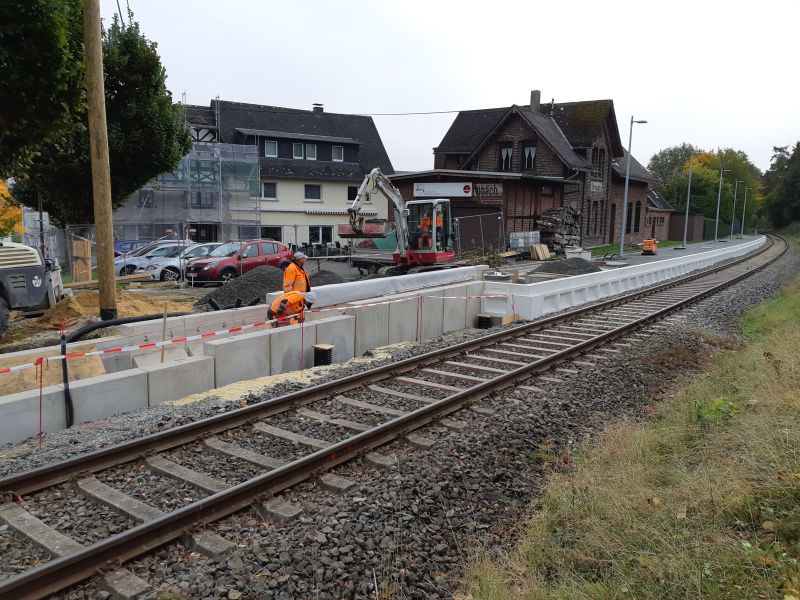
column 212, row 195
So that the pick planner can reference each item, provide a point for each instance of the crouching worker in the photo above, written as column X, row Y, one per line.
column 289, row 308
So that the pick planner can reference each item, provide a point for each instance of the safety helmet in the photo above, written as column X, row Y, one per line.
column 310, row 298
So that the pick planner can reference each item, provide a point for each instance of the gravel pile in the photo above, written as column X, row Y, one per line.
column 323, row 277
column 253, row 284
column 569, row 266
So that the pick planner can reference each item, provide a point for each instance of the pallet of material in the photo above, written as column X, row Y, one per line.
column 540, row 251
column 119, row 279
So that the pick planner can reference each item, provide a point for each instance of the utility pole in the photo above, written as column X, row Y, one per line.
column 719, row 196
column 42, row 247
column 101, row 173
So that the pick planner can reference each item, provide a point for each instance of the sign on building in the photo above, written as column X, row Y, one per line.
column 489, row 189
column 443, row 189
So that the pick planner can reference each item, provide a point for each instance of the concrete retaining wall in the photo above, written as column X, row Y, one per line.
column 533, row 300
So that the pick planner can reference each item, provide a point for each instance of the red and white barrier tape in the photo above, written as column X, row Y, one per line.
column 212, row 334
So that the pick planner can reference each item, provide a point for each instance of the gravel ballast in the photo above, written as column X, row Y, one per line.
column 411, row 529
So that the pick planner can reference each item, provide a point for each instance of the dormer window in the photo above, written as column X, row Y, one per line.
column 297, row 150
column 529, row 155
column 337, row 153
column 311, row 152
column 506, row 155
column 271, row 149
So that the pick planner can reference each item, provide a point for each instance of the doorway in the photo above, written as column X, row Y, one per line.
column 204, row 232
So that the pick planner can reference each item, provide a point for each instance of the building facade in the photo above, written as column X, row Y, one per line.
column 260, row 171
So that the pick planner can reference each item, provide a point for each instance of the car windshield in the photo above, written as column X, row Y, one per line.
column 165, row 251
column 198, row 251
column 228, row 249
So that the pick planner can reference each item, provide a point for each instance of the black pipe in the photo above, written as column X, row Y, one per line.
column 76, row 335
column 238, row 304
column 70, row 411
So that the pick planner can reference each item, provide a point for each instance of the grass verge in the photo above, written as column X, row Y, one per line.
column 704, row 501
column 614, row 248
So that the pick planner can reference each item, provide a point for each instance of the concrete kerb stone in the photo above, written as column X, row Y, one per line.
column 341, row 333
column 240, row 358
column 371, row 327
column 454, row 309
column 284, row 344
column 179, row 378
column 432, row 314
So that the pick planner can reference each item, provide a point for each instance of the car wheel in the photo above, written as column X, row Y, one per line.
column 170, row 274
column 127, row 270
column 3, row 318
column 228, row 275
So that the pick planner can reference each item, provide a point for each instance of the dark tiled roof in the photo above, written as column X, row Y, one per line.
column 638, row 172
column 310, row 169
column 658, row 201
column 582, row 122
column 200, row 115
column 564, row 126
column 238, row 115
column 297, row 136
column 468, row 174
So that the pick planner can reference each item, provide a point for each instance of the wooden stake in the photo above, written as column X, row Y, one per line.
column 98, row 146
column 164, row 330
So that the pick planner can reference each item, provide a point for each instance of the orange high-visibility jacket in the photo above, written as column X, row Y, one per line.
column 295, row 279
column 289, row 305
column 426, row 223
column 439, row 220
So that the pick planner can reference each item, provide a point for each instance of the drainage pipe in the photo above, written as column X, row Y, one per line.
column 70, row 411
column 76, row 335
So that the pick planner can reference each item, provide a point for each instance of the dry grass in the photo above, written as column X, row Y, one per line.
column 702, row 502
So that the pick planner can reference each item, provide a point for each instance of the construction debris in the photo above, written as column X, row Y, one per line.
column 560, row 227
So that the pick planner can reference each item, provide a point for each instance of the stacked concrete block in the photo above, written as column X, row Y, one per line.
column 240, row 358
column 179, row 378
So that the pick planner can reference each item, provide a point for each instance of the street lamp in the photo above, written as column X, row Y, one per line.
column 719, row 196
column 625, row 197
column 733, row 212
column 688, row 196
column 744, row 207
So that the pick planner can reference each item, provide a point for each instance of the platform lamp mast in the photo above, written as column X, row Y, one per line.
column 733, row 212
column 625, row 196
column 744, row 207
column 719, row 197
column 688, row 196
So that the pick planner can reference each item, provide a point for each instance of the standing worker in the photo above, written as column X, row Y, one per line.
column 295, row 279
column 439, row 230
column 424, row 232
column 289, row 308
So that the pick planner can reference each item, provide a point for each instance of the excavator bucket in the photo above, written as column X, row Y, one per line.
column 373, row 228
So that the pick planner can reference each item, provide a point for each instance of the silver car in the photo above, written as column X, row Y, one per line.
column 128, row 264
column 171, row 266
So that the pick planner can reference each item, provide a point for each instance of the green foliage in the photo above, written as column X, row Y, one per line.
column 705, row 413
column 670, row 168
column 782, row 186
column 42, row 73
column 146, row 133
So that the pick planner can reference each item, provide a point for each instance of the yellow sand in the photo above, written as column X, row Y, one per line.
column 128, row 305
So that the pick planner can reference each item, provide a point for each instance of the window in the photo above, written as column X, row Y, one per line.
column 314, row 192
column 637, row 217
column 297, row 150
column 588, row 216
column 146, row 198
column 530, row 156
column 248, row 232
column 311, row 151
column 352, row 192
column 601, row 163
column 250, row 251
column 628, row 218
column 337, row 153
column 271, row 233
column 269, row 248
column 320, row 234
column 595, row 160
column 269, row 190
column 271, row 149
column 201, row 199
column 506, row 155
column 596, row 217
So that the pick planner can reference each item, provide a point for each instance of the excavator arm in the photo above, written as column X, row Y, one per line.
column 377, row 183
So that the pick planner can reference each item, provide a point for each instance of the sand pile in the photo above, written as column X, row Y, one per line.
column 128, row 305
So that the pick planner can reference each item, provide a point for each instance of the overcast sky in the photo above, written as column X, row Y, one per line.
column 712, row 73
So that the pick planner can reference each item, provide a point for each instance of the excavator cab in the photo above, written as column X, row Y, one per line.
column 430, row 226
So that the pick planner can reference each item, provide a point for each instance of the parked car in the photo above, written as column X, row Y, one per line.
column 127, row 264
column 128, row 246
column 234, row 258
column 170, row 267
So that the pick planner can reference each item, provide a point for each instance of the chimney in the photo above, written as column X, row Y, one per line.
column 317, row 107
column 536, row 97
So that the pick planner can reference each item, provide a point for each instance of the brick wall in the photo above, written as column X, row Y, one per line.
column 637, row 192
column 595, row 204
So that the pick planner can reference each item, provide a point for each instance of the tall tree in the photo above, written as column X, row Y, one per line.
column 10, row 213
column 42, row 74
column 667, row 167
column 782, row 185
column 146, row 132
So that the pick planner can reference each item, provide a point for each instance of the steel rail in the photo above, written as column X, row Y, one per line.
column 40, row 478
column 59, row 573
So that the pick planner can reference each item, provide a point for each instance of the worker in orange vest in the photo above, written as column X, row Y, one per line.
column 289, row 308
column 439, row 230
column 295, row 279
column 424, row 232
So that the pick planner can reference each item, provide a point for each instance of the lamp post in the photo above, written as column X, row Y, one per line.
column 688, row 196
column 719, row 197
column 733, row 212
column 625, row 196
column 744, row 207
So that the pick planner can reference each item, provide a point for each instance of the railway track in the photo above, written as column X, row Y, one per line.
column 209, row 469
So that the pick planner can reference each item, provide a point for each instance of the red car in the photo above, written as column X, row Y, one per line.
column 235, row 258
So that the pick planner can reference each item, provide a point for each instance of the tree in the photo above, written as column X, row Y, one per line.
column 782, row 186
column 10, row 213
column 42, row 74
column 668, row 169
column 147, row 134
